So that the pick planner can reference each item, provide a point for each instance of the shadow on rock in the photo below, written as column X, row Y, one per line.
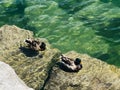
column 29, row 52
column 64, row 68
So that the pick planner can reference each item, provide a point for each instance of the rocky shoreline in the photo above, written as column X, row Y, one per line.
column 42, row 73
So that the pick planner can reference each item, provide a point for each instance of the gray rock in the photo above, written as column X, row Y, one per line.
column 9, row 80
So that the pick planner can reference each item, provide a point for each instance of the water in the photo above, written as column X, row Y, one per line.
column 86, row 26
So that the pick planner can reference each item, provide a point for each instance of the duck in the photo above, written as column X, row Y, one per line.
column 71, row 64
column 35, row 44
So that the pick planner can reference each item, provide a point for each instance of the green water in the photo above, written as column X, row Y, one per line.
column 86, row 26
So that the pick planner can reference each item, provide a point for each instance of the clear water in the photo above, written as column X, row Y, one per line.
column 86, row 26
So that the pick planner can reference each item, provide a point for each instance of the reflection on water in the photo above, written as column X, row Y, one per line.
column 86, row 26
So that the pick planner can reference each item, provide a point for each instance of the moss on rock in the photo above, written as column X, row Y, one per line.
column 95, row 75
column 31, row 68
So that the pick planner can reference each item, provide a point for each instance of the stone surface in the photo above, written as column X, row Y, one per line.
column 32, row 67
column 9, row 80
column 40, row 71
column 95, row 75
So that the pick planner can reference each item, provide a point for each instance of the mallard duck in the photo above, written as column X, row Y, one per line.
column 71, row 64
column 36, row 45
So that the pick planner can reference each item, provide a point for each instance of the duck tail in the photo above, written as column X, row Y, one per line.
column 28, row 41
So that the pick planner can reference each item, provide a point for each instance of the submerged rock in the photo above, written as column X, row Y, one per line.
column 9, row 80
column 6, row 3
column 32, row 67
column 95, row 75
